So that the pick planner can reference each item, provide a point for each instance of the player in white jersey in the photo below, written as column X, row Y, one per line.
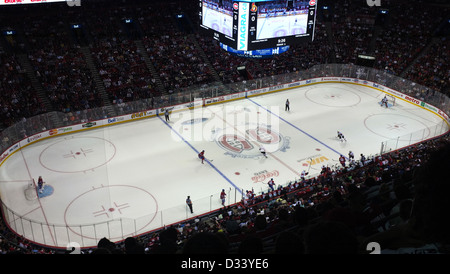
column 351, row 155
column 341, row 136
column 303, row 174
column 263, row 151
column 384, row 101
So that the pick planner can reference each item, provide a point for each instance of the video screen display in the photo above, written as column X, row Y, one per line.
column 247, row 25
column 218, row 15
column 217, row 20
column 276, row 19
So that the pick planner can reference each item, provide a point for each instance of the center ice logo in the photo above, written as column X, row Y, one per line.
column 247, row 146
column 235, row 143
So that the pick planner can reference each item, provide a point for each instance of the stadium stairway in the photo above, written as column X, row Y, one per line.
column 25, row 63
column 98, row 81
column 424, row 51
column 205, row 59
column 329, row 31
column 159, row 85
column 373, row 42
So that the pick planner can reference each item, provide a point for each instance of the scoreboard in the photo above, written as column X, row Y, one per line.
column 249, row 25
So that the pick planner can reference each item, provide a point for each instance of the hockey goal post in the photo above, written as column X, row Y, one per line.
column 31, row 191
column 391, row 100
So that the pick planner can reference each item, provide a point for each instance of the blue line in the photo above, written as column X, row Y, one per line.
column 297, row 128
column 196, row 151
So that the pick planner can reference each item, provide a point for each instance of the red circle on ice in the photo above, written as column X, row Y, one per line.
column 77, row 154
column 107, row 204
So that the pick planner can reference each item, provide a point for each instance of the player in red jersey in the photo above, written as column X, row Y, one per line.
column 271, row 184
column 342, row 160
column 223, row 195
column 201, row 155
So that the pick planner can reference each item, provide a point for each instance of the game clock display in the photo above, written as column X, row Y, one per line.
column 248, row 25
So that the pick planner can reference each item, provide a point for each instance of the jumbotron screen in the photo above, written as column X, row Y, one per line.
column 247, row 25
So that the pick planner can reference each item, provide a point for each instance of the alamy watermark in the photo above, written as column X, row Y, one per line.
column 73, row 3
column 372, row 3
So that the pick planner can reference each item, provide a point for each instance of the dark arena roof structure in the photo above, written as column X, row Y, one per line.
column 91, row 57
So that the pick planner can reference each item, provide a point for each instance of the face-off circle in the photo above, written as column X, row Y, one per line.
column 107, row 204
column 77, row 154
column 391, row 126
column 332, row 97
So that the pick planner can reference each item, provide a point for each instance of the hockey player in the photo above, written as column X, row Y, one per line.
column 271, row 184
column 384, row 101
column 201, row 155
column 166, row 114
column 263, row 151
column 302, row 175
column 223, row 195
column 363, row 159
column 342, row 160
column 287, row 105
column 351, row 155
column 40, row 184
column 341, row 136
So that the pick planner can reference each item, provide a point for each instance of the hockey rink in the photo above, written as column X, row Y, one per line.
column 134, row 177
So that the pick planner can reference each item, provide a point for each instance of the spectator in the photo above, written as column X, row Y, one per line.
column 251, row 245
column 289, row 243
column 330, row 238
column 205, row 243
column 426, row 231
column 132, row 246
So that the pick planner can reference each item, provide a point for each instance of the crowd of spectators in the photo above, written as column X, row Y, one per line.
column 18, row 98
column 410, row 29
column 123, row 70
column 179, row 58
column 353, row 30
column 359, row 202
column 177, row 61
column 59, row 66
column 432, row 69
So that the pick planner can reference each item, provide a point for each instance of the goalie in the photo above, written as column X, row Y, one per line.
column 384, row 101
column 40, row 184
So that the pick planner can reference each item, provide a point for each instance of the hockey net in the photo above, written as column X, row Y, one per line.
column 391, row 100
column 31, row 192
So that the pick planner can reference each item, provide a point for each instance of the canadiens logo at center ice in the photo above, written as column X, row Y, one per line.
column 244, row 141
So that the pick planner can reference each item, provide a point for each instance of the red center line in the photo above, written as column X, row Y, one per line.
column 272, row 155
